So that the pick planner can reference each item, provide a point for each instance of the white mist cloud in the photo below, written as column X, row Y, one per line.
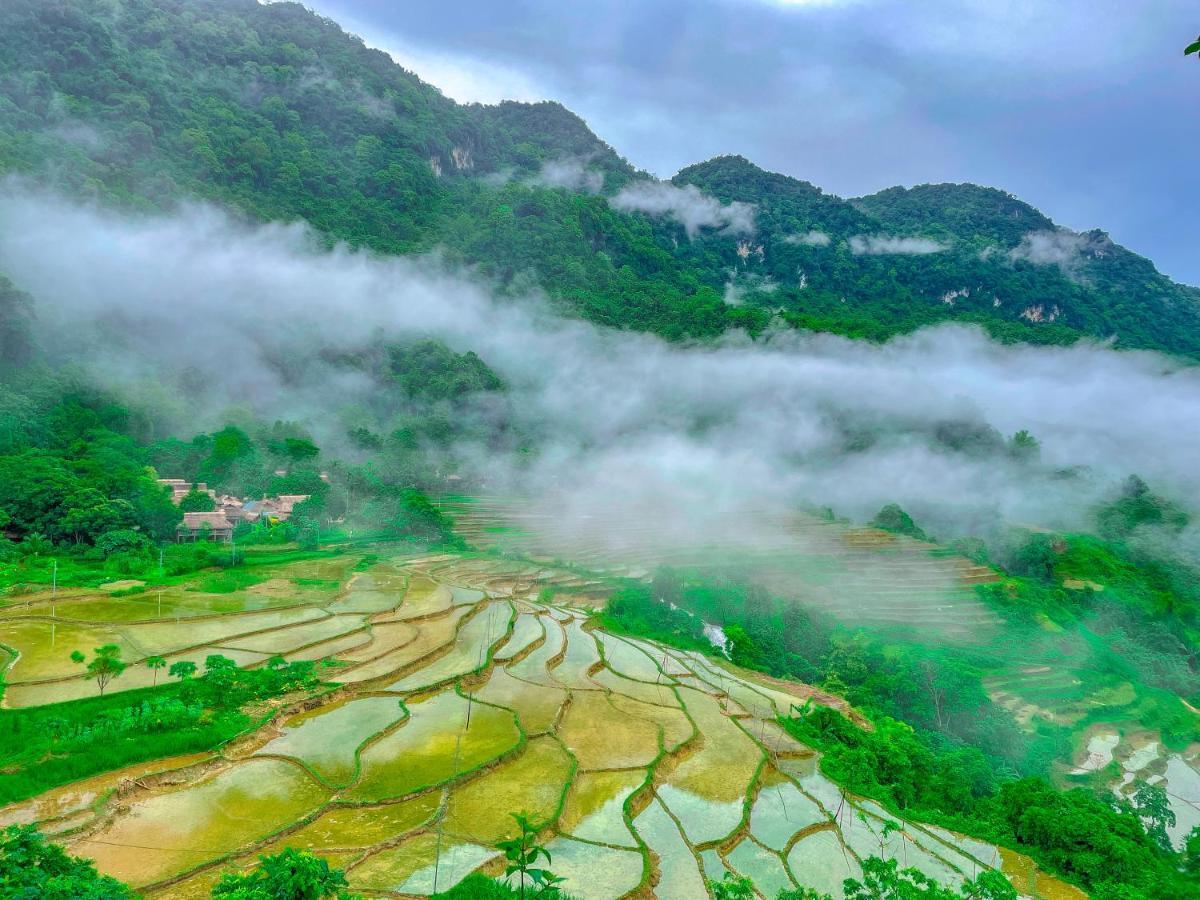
column 878, row 244
column 741, row 284
column 1063, row 248
column 812, row 238
column 687, row 205
column 571, row 173
column 681, row 436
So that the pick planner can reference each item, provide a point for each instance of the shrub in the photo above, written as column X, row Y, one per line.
column 30, row 867
column 123, row 540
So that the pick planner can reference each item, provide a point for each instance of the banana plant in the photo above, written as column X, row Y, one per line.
column 523, row 853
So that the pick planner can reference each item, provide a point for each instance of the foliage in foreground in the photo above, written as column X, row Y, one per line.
column 290, row 875
column 481, row 887
column 883, row 879
column 33, row 869
column 521, row 855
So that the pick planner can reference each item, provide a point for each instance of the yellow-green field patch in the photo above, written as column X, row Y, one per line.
column 595, row 806
column 44, row 648
column 536, row 705
column 532, row 782
column 410, row 867
column 434, row 745
column 470, row 650
column 167, row 833
column 327, row 739
column 707, row 789
column 603, row 737
column 288, row 639
column 362, row 826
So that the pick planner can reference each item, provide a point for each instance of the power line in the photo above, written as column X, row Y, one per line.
column 164, row 849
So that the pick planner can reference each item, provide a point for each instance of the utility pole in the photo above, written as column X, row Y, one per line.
column 53, row 597
column 162, row 573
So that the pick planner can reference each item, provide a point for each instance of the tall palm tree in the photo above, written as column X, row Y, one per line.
column 155, row 663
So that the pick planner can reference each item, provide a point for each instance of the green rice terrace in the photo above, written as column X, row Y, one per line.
column 457, row 688
column 1110, row 728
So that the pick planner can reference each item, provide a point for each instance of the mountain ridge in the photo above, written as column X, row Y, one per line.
column 277, row 111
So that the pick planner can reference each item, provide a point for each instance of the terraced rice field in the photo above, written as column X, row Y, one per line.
column 1063, row 693
column 1060, row 678
column 868, row 578
column 293, row 610
column 874, row 577
column 459, row 698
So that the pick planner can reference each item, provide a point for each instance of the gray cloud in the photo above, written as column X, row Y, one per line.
column 688, row 205
column 879, row 244
column 857, row 97
column 680, row 436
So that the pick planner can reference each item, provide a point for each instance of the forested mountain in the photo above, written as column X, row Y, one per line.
column 905, row 257
column 1017, row 631
column 276, row 111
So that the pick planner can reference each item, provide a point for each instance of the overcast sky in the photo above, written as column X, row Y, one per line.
column 1085, row 108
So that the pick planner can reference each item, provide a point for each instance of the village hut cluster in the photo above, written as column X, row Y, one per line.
column 230, row 511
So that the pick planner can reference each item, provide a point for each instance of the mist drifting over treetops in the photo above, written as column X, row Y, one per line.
column 249, row 315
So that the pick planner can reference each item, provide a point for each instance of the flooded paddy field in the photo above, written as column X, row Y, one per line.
column 461, row 697
column 1122, row 758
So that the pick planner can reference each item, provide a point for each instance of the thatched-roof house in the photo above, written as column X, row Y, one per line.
column 198, row 526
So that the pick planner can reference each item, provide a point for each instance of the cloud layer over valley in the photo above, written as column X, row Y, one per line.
column 620, row 419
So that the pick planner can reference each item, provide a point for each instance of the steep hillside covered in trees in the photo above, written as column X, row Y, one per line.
column 276, row 111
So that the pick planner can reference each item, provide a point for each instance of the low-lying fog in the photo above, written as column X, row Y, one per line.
column 689, row 433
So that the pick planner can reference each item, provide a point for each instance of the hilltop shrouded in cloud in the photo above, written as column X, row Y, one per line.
column 570, row 173
column 689, row 431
